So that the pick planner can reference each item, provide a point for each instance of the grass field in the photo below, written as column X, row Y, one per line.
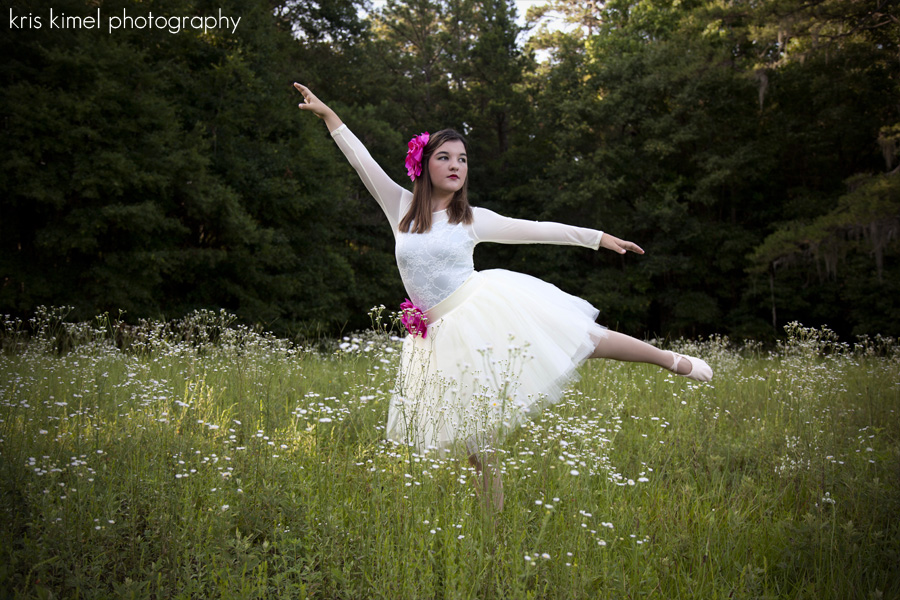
column 197, row 459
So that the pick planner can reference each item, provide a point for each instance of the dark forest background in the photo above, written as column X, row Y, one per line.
column 750, row 147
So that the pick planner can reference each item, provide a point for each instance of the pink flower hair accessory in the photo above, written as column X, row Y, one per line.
column 414, row 319
column 414, row 155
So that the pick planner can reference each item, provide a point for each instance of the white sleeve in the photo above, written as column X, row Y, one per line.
column 388, row 194
column 488, row 226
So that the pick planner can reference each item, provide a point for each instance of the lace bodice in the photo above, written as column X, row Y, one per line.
column 433, row 264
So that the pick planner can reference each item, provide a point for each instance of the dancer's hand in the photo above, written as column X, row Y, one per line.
column 318, row 108
column 613, row 243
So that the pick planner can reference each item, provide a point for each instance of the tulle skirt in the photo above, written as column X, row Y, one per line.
column 498, row 349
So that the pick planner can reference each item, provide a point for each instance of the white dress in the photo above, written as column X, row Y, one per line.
column 500, row 344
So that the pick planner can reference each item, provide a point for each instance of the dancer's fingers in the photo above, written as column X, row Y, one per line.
column 633, row 247
column 308, row 97
column 621, row 246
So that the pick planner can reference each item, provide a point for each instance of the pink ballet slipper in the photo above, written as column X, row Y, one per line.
column 700, row 371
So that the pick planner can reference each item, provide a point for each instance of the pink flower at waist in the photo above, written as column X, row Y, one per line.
column 414, row 319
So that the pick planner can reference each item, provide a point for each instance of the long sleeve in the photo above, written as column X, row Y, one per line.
column 488, row 226
column 389, row 195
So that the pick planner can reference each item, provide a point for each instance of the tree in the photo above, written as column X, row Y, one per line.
column 157, row 173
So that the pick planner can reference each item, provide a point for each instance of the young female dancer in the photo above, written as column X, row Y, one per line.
column 485, row 348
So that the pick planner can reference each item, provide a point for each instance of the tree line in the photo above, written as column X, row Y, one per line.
column 751, row 148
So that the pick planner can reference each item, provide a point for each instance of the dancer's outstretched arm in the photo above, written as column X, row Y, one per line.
column 491, row 227
column 392, row 197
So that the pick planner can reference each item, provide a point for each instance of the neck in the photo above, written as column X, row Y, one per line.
column 440, row 202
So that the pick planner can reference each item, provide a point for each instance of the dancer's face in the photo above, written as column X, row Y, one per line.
column 448, row 167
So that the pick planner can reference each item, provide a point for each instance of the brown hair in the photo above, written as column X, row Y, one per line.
column 419, row 216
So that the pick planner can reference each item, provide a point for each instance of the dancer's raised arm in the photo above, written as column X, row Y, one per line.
column 390, row 196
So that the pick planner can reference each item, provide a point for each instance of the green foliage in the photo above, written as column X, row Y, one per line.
column 868, row 212
column 163, row 177
column 694, row 129
column 159, row 173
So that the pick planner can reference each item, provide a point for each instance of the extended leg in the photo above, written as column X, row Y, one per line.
column 619, row 346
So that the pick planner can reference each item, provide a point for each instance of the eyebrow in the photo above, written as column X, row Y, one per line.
column 448, row 154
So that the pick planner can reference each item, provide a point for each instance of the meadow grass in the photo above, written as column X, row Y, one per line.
column 198, row 459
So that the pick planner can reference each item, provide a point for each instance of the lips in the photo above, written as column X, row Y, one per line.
column 453, row 177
